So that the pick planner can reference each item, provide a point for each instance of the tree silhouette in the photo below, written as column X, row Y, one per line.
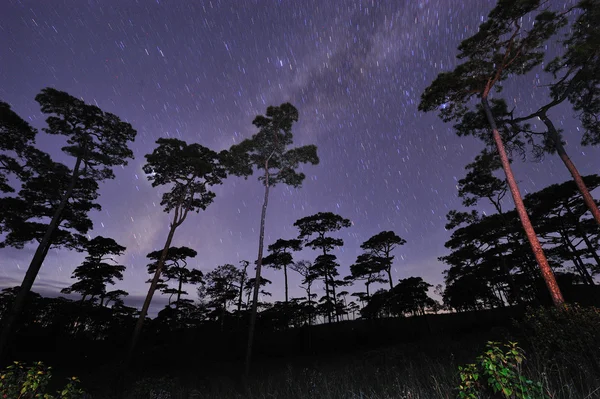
column 326, row 267
column 98, row 141
column 249, row 289
column 353, row 309
column 313, row 230
column 188, row 169
column 368, row 268
column 577, row 74
column 115, row 297
column 487, row 259
column 95, row 273
column 26, row 217
column 377, row 305
column 220, row 286
column 576, row 80
column 468, row 292
column 381, row 245
column 305, row 269
column 480, row 183
column 342, row 303
column 488, row 248
column 501, row 48
column 267, row 151
column 557, row 212
column 175, row 268
column 242, row 283
column 280, row 258
column 16, row 140
column 410, row 296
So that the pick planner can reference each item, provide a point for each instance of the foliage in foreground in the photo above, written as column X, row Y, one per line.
column 21, row 382
column 498, row 372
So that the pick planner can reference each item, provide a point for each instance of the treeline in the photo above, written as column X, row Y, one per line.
column 490, row 267
column 48, row 203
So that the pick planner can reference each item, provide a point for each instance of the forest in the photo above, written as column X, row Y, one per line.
column 516, row 317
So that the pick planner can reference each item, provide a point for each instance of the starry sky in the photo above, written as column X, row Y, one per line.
column 202, row 70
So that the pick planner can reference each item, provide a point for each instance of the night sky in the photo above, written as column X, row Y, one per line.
column 202, row 70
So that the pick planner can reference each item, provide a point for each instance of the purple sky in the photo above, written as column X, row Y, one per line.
column 201, row 70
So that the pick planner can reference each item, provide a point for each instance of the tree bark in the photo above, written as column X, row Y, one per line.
column 223, row 315
column 335, row 308
column 140, row 322
column 560, row 149
column 389, row 273
column 242, row 281
column 536, row 247
column 310, row 316
column 326, row 275
column 286, row 283
column 35, row 265
column 329, row 319
column 261, row 240
column 179, row 293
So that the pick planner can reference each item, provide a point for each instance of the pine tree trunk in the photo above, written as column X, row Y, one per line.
column 584, row 236
column 583, row 271
column 179, row 294
column 140, row 322
column 223, row 315
column 335, row 307
column 286, row 283
column 242, row 281
column 261, row 240
column 310, row 316
column 560, row 149
column 576, row 259
column 515, row 241
column 389, row 273
column 35, row 265
column 327, row 289
column 239, row 306
column 536, row 247
column 329, row 319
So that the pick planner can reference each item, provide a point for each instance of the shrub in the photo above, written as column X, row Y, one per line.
column 21, row 382
column 569, row 337
column 499, row 373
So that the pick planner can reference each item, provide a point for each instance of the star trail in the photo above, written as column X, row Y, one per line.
column 202, row 70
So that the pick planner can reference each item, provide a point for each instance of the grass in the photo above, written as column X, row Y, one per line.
column 424, row 370
column 409, row 379
column 562, row 351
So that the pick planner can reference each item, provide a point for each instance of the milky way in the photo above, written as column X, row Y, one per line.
column 201, row 70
